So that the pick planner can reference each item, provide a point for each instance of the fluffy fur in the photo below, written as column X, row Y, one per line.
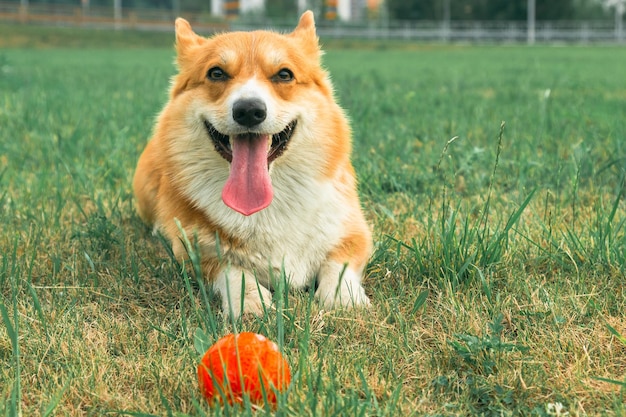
column 313, row 227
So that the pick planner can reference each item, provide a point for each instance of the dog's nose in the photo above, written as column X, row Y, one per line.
column 249, row 112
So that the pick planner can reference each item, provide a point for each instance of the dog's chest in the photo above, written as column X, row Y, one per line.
column 294, row 234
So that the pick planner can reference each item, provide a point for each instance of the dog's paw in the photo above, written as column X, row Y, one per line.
column 340, row 288
column 256, row 301
column 231, row 284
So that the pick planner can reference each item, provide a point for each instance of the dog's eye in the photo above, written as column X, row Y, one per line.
column 216, row 74
column 284, row 75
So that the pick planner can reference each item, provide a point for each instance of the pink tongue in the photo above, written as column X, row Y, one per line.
column 248, row 188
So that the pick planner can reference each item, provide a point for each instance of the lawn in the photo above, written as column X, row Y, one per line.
column 494, row 178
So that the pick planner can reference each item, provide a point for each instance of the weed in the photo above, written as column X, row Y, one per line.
column 483, row 354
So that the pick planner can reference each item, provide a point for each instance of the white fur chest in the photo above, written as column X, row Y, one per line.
column 295, row 233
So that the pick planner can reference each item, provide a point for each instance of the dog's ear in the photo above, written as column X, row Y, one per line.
column 186, row 39
column 186, row 42
column 306, row 32
column 306, row 23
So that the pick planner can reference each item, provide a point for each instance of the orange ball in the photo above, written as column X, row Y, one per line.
column 243, row 363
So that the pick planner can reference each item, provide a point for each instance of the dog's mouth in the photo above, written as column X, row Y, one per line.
column 248, row 188
column 223, row 145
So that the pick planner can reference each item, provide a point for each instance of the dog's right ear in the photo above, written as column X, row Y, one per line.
column 186, row 39
column 186, row 43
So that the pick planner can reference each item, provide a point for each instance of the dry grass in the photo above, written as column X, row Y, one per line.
column 492, row 293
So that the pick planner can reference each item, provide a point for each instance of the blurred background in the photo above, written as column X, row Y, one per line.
column 441, row 20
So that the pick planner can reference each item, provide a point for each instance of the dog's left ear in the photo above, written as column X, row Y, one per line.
column 306, row 32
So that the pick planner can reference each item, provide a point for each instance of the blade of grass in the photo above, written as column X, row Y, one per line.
column 496, row 247
column 419, row 301
column 12, row 326
column 56, row 399
column 12, row 331
column 485, row 214
column 616, row 334
column 611, row 381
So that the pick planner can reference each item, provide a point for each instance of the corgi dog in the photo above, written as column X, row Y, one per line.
column 251, row 158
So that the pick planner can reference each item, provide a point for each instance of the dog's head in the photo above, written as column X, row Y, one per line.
column 252, row 92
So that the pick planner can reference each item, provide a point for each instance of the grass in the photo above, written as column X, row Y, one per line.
column 497, row 281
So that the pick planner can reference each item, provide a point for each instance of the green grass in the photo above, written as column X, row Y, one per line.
column 499, row 273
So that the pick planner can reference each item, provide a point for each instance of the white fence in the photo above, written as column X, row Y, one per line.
column 456, row 31
column 479, row 32
column 590, row 31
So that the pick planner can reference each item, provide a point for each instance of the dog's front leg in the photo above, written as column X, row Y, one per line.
column 241, row 293
column 339, row 285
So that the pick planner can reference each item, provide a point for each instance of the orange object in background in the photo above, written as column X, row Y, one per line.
column 331, row 10
column 243, row 363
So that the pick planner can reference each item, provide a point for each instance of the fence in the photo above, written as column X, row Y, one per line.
column 101, row 17
column 480, row 32
column 454, row 31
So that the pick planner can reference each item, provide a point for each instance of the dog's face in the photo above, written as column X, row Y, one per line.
column 252, row 92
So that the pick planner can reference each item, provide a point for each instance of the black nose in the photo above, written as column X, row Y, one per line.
column 249, row 112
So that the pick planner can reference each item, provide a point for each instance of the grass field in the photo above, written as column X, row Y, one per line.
column 493, row 178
